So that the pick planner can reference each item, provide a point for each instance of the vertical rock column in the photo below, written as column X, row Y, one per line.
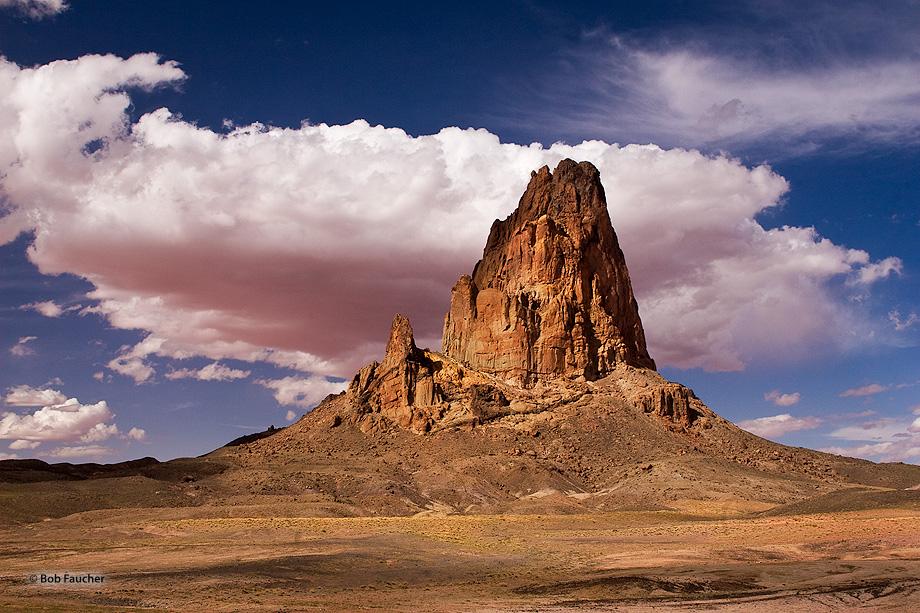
column 551, row 296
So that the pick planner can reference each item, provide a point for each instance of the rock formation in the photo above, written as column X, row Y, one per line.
column 548, row 309
column 543, row 401
column 402, row 387
column 551, row 295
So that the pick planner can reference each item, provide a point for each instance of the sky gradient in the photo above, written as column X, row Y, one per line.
column 210, row 215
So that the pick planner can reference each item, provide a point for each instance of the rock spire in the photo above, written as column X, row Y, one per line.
column 551, row 296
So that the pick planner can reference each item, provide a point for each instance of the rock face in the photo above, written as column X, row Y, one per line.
column 548, row 310
column 551, row 295
column 402, row 387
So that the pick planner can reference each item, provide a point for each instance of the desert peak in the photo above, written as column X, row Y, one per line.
column 551, row 295
column 402, row 342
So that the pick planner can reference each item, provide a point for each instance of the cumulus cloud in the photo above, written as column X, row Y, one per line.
column 8, row 456
column 304, row 392
column 24, row 444
column 130, row 363
column 137, row 434
column 323, row 232
column 21, row 348
column 211, row 372
column 37, row 9
column 79, row 451
column 67, row 421
column 291, row 416
column 866, row 390
column 27, row 396
column 782, row 400
column 778, row 425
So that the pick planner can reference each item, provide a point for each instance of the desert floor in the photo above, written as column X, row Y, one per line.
column 243, row 559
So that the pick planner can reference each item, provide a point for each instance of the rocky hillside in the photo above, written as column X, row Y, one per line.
column 543, row 400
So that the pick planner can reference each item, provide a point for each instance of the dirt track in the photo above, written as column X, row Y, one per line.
column 202, row 560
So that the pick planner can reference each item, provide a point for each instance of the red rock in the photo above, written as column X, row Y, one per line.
column 402, row 387
column 551, row 295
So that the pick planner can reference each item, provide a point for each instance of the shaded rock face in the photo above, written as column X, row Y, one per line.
column 671, row 403
column 551, row 295
column 402, row 387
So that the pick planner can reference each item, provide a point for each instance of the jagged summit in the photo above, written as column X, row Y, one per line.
column 551, row 295
column 548, row 308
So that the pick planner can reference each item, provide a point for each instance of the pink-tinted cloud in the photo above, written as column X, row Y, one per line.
column 24, row 444
column 21, row 348
column 302, row 392
column 27, row 396
column 321, row 233
column 778, row 425
column 866, row 390
column 48, row 308
column 782, row 400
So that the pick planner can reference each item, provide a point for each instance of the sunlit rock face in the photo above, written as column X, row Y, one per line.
column 402, row 387
column 551, row 296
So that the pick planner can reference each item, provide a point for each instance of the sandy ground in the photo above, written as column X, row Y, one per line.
column 204, row 560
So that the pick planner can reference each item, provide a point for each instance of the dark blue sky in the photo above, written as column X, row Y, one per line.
column 211, row 277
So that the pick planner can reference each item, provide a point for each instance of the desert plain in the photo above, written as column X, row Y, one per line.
column 268, row 558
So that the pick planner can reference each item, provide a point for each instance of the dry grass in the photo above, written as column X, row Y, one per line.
column 200, row 560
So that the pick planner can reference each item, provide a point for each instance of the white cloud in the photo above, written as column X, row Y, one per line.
column 24, row 444
column 866, row 390
column 99, row 432
column 48, row 308
column 899, row 324
column 872, row 272
column 302, row 392
column 79, row 451
column 291, row 416
column 8, row 456
column 137, row 434
column 326, row 231
column 782, row 400
column 786, row 78
column 904, row 449
column 37, row 9
column 26, row 396
column 211, row 372
column 21, row 348
column 67, row 421
column 778, row 425
column 130, row 362
column 885, row 429
column 915, row 426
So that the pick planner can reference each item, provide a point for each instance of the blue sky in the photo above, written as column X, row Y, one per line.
column 211, row 213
